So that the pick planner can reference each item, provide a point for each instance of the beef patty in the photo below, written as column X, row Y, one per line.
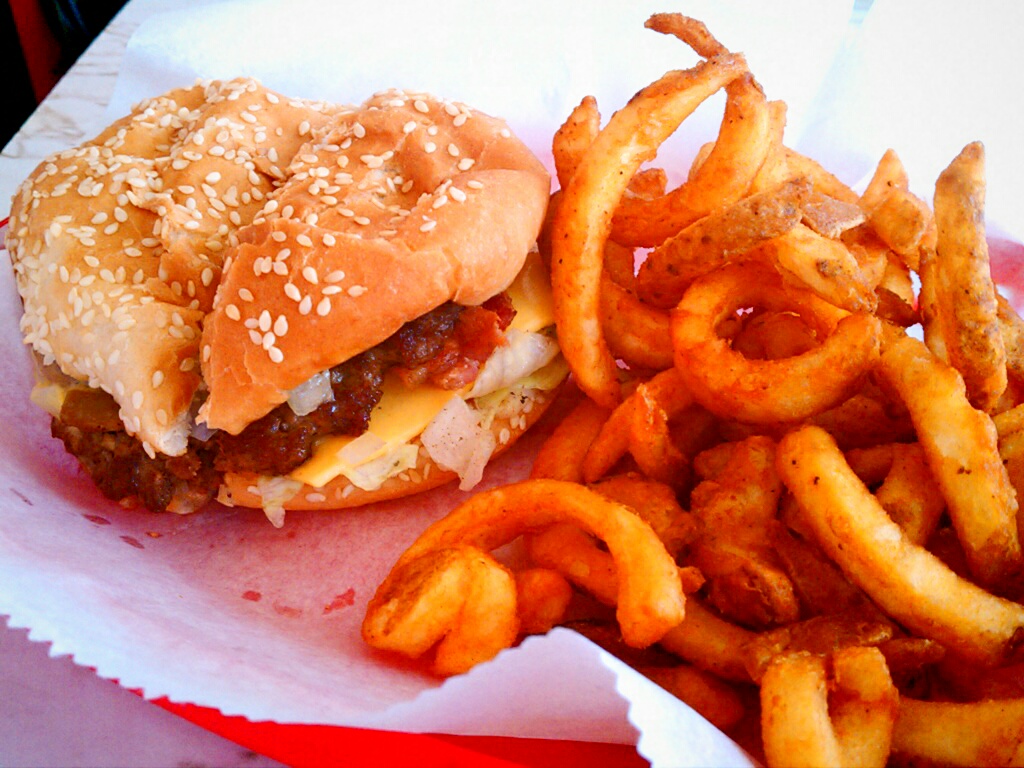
column 446, row 347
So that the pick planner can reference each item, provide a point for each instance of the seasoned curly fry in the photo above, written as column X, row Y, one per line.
column 583, row 218
column 650, row 595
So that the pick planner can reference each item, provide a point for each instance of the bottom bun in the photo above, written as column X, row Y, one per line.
column 240, row 489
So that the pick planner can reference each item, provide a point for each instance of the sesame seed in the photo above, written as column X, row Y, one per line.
column 310, row 274
column 421, row 106
column 466, row 163
column 429, row 147
column 304, row 239
column 158, row 378
column 323, row 308
column 281, row 325
column 232, row 312
column 428, row 225
column 357, row 290
column 292, row 292
column 275, row 355
column 306, row 305
column 453, row 150
column 137, row 399
column 409, row 127
column 335, row 277
column 265, row 320
column 256, row 337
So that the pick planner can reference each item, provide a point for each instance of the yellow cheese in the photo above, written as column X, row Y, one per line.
column 400, row 415
column 531, row 296
column 404, row 413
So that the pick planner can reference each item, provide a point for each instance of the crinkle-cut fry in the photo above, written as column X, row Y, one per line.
column 636, row 333
column 542, row 597
column 650, row 595
column 827, row 267
column 458, row 599
column 612, row 442
column 960, row 733
column 718, row 238
column 725, row 175
column 960, row 444
column 906, row 581
column 582, row 221
column 964, row 293
column 561, row 456
column 768, row 391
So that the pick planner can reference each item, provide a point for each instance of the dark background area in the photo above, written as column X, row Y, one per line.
column 44, row 38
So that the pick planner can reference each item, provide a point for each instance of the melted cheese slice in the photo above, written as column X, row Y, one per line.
column 404, row 413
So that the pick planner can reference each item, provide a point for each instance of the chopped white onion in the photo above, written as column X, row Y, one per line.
column 525, row 353
column 456, row 441
column 371, row 475
column 311, row 394
column 361, row 449
column 274, row 492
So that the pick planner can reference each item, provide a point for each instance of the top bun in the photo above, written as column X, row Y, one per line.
column 391, row 210
column 118, row 245
column 122, row 246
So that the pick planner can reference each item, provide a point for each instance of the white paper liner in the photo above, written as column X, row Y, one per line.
column 221, row 609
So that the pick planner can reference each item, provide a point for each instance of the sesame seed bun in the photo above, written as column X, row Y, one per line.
column 400, row 206
column 223, row 243
column 118, row 245
column 288, row 235
column 241, row 490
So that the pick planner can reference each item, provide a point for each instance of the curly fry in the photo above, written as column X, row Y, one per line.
column 650, row 593
column 457, row 598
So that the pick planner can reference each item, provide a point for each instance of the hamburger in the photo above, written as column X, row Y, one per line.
column 284, row 303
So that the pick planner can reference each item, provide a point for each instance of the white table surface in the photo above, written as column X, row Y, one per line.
column 52, row 711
